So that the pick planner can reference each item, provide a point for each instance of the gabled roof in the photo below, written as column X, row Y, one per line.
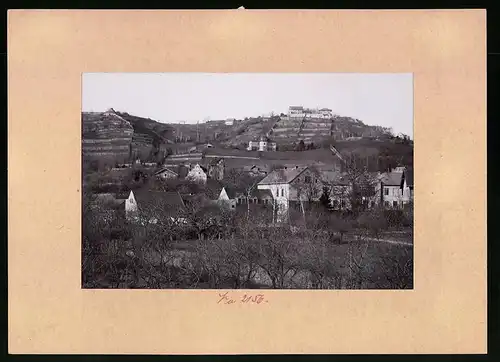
column 230, row 191
column 296, row 107
column 213, row 188
column 203, row 168
column 170, row 199
column 392, row 178
column 282, row 176
column 166, row 169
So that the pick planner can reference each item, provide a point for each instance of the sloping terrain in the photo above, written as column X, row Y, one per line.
column 106, row 135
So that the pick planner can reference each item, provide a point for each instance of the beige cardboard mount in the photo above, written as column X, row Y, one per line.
column 48, row 50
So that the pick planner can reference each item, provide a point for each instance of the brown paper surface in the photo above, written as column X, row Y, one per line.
column 50, row 313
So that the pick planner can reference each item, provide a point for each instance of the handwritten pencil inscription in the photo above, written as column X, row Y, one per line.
column 226, row 298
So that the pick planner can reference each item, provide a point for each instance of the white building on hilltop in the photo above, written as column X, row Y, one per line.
column 301, row 112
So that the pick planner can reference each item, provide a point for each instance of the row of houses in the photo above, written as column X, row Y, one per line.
column 304, row 184
column 283, row 188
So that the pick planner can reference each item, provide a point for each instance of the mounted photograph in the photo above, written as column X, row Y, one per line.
column 247, row 181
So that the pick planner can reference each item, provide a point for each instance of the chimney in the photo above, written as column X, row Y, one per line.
column 296, row 167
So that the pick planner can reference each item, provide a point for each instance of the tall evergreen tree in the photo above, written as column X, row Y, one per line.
column 325, row 197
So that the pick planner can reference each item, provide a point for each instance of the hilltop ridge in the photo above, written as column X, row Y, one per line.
column 123, row 136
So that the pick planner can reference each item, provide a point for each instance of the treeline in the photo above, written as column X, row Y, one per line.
column 207, row 247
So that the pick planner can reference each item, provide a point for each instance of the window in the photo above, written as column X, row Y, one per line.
column 386, row 203
column 282, row 192
column 395, row 204
column 335, row 204
column 386, row 192
column 307, row 179
column 372, row 204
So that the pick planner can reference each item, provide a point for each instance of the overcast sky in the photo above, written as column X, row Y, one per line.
column 376, row 99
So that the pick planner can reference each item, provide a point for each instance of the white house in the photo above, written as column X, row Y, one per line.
column 301, row 112
column 229, row 121
column 290, row 184
column 131, row 208
column 263, row 144
column 197, row 174
column 325, row 113
column 296, row 112
column 396, row 188
column 225, row 201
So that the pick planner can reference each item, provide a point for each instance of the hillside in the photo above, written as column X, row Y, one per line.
column 106, row 135
column 123, row 136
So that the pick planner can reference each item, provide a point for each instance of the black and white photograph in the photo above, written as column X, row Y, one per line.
column 247, row 181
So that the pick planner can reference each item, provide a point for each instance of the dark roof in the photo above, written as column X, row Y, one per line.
column 230, row 191
column 392, row 178
column 213, row 188
column 296, row 107
column 171, row 199
column 282, row 176
column 408, row 175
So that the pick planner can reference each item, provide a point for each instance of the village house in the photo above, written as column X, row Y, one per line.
column 107, row 205
column 226, row 200
column 197, row 174
column 394, row 189
column 291, row 184
column 151, row 206
column 263, row 144
column 296, row 112
column 166, row 174
column 216, row 168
